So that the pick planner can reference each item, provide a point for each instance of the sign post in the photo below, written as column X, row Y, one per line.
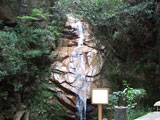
column 99, row 111
column 99, row 96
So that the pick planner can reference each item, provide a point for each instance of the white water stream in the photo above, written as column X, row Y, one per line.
column 79, row 71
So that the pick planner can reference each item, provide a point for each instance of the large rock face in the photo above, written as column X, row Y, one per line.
column 10, row 9
column 77, row 64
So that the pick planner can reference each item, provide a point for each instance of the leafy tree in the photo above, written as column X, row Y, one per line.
column 25, row 59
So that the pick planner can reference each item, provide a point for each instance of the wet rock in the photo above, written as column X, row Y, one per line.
column 77, row 64
column 67, row 101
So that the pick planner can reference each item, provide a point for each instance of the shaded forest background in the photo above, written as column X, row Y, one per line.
column 128, row 33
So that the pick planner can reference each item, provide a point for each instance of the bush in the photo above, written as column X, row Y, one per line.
column 138, row 112
column 128, row 97
column 25, row 59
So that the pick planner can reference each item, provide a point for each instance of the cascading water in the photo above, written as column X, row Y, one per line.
column 80, row 63
column 81, row 107
column 79, row 70
column 80, row 32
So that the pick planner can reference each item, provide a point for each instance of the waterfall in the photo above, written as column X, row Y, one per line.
column 81, row 107
column 79, row 70
column 80, row 32
column 81, row 64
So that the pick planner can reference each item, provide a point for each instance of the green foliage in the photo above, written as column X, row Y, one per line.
column 38, row 103
column 4, row 95
column 1, row 22
column 127, row 96
column 19, row 48
column 130, row 34
column 93, row 10
column 25, row 58
column 138, row 112
column 131, row 47
column 37, row 14
column 128, row 27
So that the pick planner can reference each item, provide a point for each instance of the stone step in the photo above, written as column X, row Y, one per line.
column 150, row 116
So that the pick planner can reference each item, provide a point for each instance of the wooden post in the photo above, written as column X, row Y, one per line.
column 99, row 111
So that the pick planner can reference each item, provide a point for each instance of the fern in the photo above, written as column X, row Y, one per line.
column 37, row 14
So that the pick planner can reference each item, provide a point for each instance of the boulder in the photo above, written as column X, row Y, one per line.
column 18, row 115
column 26, row 116
column 7, row 15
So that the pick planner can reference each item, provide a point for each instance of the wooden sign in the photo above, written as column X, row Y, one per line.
column 100, row 96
